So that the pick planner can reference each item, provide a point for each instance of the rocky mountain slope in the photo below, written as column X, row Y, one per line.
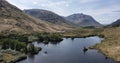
column 82, row 20
column 48, row 16
column 13, row 20
column 116, row 23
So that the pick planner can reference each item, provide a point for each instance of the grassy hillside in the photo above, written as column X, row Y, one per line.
column 13, row 20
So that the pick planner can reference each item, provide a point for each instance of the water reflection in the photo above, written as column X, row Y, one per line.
column 31, row 58
column 70, row 50
column 106, row 58
column 72, row 39
column 46, row 42
column 85, row 50
column 45, row 52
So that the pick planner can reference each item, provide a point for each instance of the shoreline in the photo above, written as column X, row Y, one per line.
column 11, row 56
column 109, row 47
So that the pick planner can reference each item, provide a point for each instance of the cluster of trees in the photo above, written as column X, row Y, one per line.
column 17, row 42
column 20, row 42
column 49, row 37
column 21, row 38
column 8, row 43
column 16, row 45
column 32, row 49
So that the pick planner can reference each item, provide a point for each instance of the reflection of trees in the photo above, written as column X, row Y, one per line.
column 31, row 58
column 51, row 42
column 106, row 58
column 55, row 42
column 72, row 38
column 45, row 52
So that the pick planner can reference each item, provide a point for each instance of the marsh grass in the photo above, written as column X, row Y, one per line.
column 111, row 45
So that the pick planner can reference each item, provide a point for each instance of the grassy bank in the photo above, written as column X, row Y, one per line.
column 111, row 45
column 11, row 56
column 84, row 32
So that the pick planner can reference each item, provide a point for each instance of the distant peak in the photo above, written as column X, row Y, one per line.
column 83, row 20
column 78, row 14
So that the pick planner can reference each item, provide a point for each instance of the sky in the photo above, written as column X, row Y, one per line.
column 103, row 11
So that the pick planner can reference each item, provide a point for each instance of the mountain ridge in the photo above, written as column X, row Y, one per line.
column 83, row 20
column 48, row 16
column 116, row 23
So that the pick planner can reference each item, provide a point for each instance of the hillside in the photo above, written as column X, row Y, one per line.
column 14, row 20
column 116, row 23
column 48, row 16
column 83, row 20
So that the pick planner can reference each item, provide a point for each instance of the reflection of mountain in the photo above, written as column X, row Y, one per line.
column 83, row 20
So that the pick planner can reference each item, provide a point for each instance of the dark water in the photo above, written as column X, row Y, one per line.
column 69, row 51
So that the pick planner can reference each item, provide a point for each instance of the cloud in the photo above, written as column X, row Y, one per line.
column 117, row 11
column 35, row 3
column 51, row 4
column 88, row 1
column 57, row 7
column 104, row 11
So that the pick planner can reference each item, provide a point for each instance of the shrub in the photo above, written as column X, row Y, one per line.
column 12, row 44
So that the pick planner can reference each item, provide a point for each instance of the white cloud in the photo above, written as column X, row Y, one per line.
column 88, row 1
column 57, row 7
column 53, row 4
column 35, row 3
column 104, row 14
column 66, row 7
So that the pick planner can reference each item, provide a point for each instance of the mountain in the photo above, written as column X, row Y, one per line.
column 48, row 16
column 14, row 20
column 116, row 23
column 83, row 20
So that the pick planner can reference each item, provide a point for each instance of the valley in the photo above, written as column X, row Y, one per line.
column 29, row 33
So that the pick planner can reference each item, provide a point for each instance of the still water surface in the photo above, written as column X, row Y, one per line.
column 69, row 51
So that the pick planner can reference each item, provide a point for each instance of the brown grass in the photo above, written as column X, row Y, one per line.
column 10, row 57
column 111, row 45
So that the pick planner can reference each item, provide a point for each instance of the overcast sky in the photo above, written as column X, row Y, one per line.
column 104, row 11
